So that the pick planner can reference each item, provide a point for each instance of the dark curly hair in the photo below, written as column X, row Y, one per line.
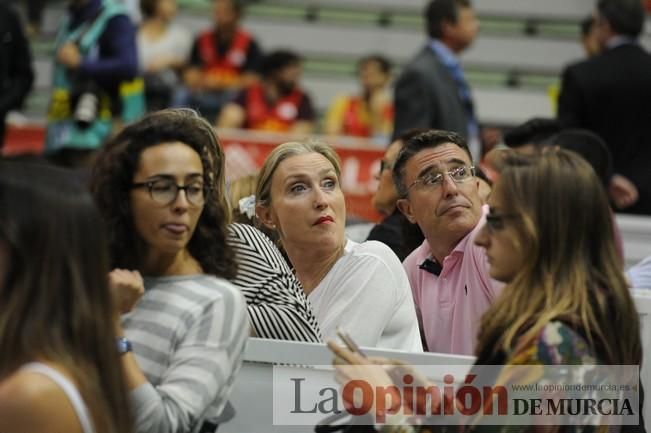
column 112, row 177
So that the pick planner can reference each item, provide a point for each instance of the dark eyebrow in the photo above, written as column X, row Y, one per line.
column 425, row 171
column 429, row 169
column 458, row 161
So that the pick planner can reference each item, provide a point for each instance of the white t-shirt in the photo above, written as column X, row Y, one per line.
column 176, row 42
column 367, row 294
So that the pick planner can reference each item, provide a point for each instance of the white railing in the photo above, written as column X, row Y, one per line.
column 636, row 236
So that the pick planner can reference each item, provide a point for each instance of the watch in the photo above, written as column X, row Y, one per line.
column 123, row 345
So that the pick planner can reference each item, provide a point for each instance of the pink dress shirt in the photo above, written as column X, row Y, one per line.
column 450, row 306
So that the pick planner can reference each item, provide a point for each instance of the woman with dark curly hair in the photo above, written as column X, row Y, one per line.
column 159, row 185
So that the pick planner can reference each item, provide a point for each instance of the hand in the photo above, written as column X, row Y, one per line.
column 69, row 55
column 622, row 191
column 379, row 373
column 127, row 287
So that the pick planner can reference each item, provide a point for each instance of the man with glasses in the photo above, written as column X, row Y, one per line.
column 394, row 230
column 438, row 190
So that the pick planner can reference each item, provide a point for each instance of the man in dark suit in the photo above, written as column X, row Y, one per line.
column 432, row 92
column 610, row 94
column 16, row 74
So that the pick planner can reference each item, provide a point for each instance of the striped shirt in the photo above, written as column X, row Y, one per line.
column 278, row 307
column 188, row 335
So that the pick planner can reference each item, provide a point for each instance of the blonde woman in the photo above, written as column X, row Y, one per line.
column 359, row 287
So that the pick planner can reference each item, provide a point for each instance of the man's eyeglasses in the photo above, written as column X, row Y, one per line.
column 434, row 179
column 495, row 221
column 165, row 191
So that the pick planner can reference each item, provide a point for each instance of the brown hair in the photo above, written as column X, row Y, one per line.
column 572, row 272
column 56, row 304
column 238, row 189
column 148, row 7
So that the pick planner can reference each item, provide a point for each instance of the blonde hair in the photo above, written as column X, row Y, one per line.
column 238, row 189
column 283, row 152
column 571, row 272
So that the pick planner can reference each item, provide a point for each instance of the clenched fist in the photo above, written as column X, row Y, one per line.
column 127, row 287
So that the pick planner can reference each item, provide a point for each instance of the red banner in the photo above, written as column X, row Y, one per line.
column 246, row 151
column 360, row 161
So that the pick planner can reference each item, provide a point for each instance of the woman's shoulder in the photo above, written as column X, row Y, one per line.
column 33, row 402
column 246, row 234
column 557, row 344
column 371, row 257
column 198, row 290
column 373, row 249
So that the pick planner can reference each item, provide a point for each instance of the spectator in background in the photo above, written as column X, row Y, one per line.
column 60, row 367
column 223, row 60
column 163, row 49
column 16, row 74
column 589, row 37
column 448, row 273
column 590, row 147
column 34, row 16
column 432, row 91
column 610, row 94
column 391, row 230
column 96, row 86
column 532, row 136
column 277, row 103
column 369, row 114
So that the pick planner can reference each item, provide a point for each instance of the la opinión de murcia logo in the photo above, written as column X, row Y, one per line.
column 466, row 399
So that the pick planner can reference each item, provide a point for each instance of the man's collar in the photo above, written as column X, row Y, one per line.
column 619, row 40
column 446, row 55
column 431, row 266
column 460, row 248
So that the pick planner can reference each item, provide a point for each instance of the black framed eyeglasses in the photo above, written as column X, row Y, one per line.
column 495, row 221
column 434, row 179
column 164, row 191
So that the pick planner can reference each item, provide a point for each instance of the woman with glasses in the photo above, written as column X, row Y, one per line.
column 159, row 185
column 549, row 237
column 59, row 368
column 361, row 288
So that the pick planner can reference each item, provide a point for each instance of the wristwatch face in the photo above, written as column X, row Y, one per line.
column 123, row 345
